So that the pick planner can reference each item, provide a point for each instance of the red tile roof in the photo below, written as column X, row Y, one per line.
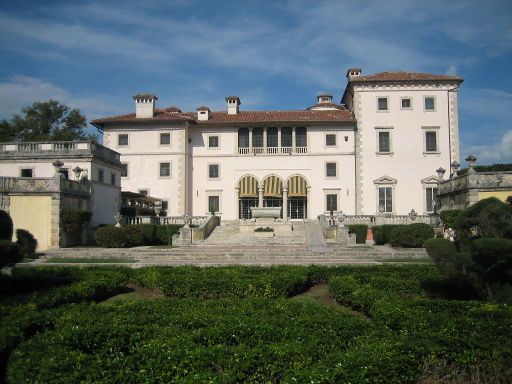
column 404, row 76
column 242, row 117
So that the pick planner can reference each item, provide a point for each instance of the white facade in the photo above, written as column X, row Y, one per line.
column 362, row 157
column 99, row 165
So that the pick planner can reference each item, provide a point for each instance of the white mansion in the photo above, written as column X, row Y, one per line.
column 377, row 151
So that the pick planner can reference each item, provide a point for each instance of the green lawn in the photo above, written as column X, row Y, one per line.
column 349, row 324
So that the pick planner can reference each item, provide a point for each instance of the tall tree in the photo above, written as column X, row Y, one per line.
column 48, row 120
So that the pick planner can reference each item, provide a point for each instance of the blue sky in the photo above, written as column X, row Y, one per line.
column 273, row 54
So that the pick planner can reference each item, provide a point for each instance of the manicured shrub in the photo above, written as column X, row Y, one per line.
column 487, row 168
column 487, row 218
column 73, row 223
column 134, row 235
column 149, row 231
column 27, row 243
column 264, row 229
column 119, row 237
column 361, row 230
column 450, row 217
column 441, row 250
column 6, row 227
column 143, row 211
column 9, row 253
column 411, row 236
column 382, row 233
column 164, row 233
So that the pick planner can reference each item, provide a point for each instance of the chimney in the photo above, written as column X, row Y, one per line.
column 353, row 72
column 203, row 113
column 144, row 105
column 324, row 99
column 233, row 104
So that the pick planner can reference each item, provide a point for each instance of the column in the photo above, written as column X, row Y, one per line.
column 285, row 203
column 260, row 197
column 293, row 139
column 308, row 213
column 237, row 202
column 279, row 140
column 250, row 140
column 265, row 140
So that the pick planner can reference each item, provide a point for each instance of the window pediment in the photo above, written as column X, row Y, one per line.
column 430, row 180
column 385, row 180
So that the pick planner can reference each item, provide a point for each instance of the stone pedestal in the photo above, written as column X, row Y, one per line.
column 343, row 237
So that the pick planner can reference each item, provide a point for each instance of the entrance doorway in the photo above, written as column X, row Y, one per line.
column 244, row 207
column 298, row 207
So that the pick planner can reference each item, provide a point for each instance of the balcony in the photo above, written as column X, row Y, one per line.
column 57, row 149
column 272, row 150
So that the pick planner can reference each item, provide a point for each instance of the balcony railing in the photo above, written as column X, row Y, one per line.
column 271, row 150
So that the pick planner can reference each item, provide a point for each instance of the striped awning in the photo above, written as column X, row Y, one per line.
column 297, row 186
column 272, row 187
column 248, row 187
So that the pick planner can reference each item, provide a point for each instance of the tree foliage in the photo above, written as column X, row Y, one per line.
column 47, row 120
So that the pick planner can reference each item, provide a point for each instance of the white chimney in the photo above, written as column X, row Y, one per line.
column 323, row 99
column 233, row 104
column 203, row 113
column 353, row 72
column 144, row 105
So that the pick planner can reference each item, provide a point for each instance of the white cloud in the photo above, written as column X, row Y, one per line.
column 452, row 70
column 498, row 152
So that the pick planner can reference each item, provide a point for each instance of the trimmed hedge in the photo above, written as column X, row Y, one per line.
column 119, row 237
column 450, row 217
column 441, row 250
column 155, row 234
column 27, row 244
column 9, row 253
column 411, row 236
column 382, row 233
column 6, row 227
column 361, row 231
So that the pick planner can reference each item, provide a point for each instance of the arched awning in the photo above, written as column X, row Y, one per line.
column 297, row 187
column 248, row 187
column 272, row 187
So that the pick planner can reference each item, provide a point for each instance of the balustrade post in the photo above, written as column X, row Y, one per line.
column 250, row 140
column 279, row 140
column 260, row 197
column 285, row 203
column 293, row 139
column 265, row 140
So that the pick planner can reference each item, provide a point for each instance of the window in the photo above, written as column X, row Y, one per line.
column 272, row 137
column 430, row 141
column 430, row 103
column 27, row 172
column 165, row 169
column 330, row 140
column 113, row 178
column 331, row 202
column 386, row 199
column 382, row 103
column 300, row 137
column 286, row 137
column 101, row 175
column 257, row 137
column 406, row 103
column 165, row 205
column 384, row 141
column 431, row 194
column 122, row 140
column 213, row 171
column 144, row 192
column 243, row 138
column 165, row 138
column 213, row 141
column 213, row 203
column 330, row 169
column 124, row 170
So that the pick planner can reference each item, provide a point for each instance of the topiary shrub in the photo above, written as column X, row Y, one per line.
column 149, row 232
column 6, row 227
column 487, row 218
column 361, row 230
column 128, row 211
column 27, row 243
column 119, row 237
column 411, row 236
column 441, row 250
column 72, row 225
column 450, row 217
column 9, row 253
column 164, row 233
column 382, row 233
